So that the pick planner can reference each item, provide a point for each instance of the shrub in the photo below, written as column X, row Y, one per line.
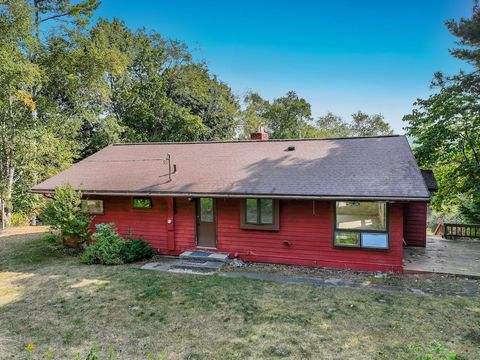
column 107, row 248
column 110, row 249
column 18, row 219
column 64, row 213
column 136, row 249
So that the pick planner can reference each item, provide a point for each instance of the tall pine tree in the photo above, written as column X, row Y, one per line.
column 446, row 126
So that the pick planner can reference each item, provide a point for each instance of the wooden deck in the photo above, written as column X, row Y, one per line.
column 457, row 257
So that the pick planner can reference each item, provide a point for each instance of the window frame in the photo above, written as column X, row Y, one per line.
column 200, row 208
column 142, row 198
column 93, row 213
column 259, row 212
column 362, row 231
column 274, row 226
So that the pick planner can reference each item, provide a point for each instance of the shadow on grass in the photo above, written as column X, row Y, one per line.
column 16, row 252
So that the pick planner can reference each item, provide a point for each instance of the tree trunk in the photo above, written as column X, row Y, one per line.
column 2, row 210
column 8, row 196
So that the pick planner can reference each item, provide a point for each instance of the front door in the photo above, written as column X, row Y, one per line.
column 206, row 225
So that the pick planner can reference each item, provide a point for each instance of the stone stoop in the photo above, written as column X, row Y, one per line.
column 192, row 262
column 199, row 262
column 203, row 255
column 196, row 265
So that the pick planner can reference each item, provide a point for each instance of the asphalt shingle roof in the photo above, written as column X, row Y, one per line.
column 429, row 179
column 375, row 167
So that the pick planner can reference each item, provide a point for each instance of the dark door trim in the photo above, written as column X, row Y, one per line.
column 198, row 225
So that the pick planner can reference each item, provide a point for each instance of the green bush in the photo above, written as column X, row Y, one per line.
column 18, row 219
column 107, row 248
column 136, row 249
column 110, row 249
column 64, row 213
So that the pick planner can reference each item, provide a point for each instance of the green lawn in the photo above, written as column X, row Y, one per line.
column 59, row 308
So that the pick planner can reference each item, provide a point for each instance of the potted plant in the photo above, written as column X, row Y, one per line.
column 64, row 213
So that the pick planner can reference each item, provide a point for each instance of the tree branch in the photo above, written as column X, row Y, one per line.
column 53, row 17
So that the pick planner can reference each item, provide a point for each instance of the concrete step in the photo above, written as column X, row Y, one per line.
column 204, row 256
column 191, row 272
column 197, row 265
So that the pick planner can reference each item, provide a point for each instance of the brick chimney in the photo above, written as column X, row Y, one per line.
column 259, row 134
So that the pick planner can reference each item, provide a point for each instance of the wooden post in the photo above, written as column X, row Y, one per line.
column 170, row 224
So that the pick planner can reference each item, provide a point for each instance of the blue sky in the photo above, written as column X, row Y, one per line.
column 342, row 56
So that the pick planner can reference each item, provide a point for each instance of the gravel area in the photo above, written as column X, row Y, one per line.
column 427, row 281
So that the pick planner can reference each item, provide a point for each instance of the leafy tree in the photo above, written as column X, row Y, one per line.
column 17, row 106
column 253, row 116
column 71, row 90
column 80, row 69
column 156, row 93
column 446, row 132
column 361, row 125
column 333, row 126
column 207, row 98
column 288, row 116
column 446, row 127
column 26, row 205
column 311, row 131
column 369, row 125
column 35, row 135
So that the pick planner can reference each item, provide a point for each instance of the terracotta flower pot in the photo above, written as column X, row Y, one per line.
column 72, row 242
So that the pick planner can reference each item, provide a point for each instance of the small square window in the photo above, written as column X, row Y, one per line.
column 142, row 203
column 259, row 214
column 259, row 211
column 94, row 207
column 374, row 241
column 347, row 239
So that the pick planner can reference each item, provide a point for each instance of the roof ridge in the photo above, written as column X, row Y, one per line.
column 253, row 141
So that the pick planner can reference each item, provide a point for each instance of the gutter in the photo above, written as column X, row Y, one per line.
column 230, row 195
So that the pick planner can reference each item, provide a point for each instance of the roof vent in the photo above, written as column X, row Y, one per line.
column 291, row 148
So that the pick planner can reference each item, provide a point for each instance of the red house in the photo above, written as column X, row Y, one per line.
column 343, row 203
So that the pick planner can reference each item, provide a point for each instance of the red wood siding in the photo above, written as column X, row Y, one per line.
column 148, row 224
column 415, row 224
column 184, row 225
column 304, row 238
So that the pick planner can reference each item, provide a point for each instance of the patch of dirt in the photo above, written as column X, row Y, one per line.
column 22, row 230
column 437, row 282
column 319, row 272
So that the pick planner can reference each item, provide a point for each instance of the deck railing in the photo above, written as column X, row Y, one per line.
column 451, row 231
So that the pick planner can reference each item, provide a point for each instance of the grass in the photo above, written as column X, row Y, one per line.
column 58, row 308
